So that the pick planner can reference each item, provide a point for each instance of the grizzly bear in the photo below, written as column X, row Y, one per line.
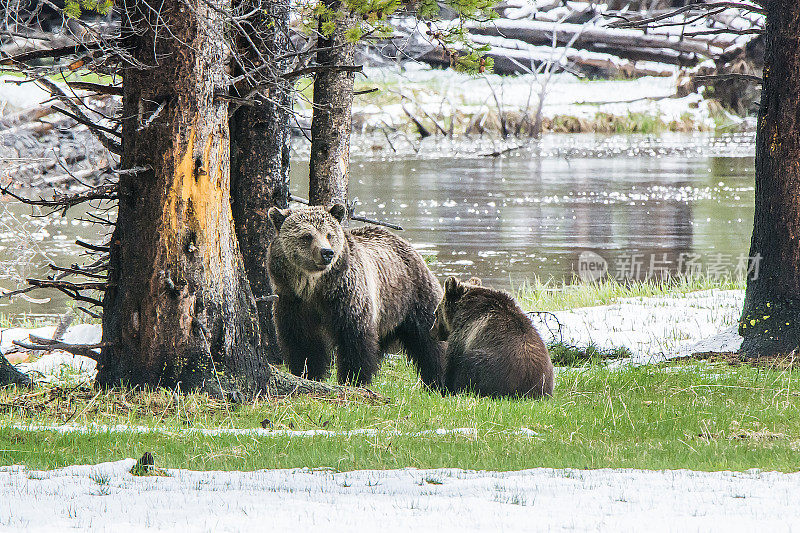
column 492, row 347
column 353, row 290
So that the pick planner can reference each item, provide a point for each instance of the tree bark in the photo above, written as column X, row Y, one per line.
column 770, row 322
column 9, row 375
column 331, row 120
column 260, row 159
column 179, row 310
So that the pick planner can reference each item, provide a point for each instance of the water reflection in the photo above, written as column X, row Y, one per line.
column 505, row 220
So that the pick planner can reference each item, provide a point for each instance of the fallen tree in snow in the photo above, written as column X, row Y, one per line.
column 588, row 39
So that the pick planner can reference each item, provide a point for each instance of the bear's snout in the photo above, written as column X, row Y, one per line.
column 327, row 255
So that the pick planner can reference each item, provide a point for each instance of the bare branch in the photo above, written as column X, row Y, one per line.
column 102, row 192
column 731, row 76
column 60, row 284
column 113, row 90
column 110, row 144
column 628, row 23
column 317, row 68
column 49, row 53
column 352, row 216
column 93, row 247
column 85, row 350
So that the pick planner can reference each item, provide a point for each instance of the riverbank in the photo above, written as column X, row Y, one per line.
column 417, row 99
column 39, row 148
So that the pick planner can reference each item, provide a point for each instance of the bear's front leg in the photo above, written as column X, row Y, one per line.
column 359, row 348
column 302, row 345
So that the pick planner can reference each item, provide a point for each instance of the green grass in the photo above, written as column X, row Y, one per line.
column 26, row 321
column 693, row 415
column 564, row 354
column 696, row 415
column 537, row 295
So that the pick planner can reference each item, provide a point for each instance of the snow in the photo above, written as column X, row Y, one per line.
column 68, row 429
column 438, row 91
column 53, row 366
column 106, row 497
column 653, row 329
column 656, row 328
column 16, row 97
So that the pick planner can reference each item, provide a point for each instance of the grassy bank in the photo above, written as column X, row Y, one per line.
column 690, row 414
column 540, row 295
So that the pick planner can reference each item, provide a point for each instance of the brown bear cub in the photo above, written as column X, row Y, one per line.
column 356, row 291
column 492, row 347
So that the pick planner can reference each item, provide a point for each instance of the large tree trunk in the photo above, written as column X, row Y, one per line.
column 9, row 375
column 331, row 121
column 260, row 159
column 179, row 311
column 770, row 322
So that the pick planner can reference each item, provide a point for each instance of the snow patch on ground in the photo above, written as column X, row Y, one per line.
column 67, row 429
column 656, row 328
column 16, row 97
column 653, row 329
column 106, row 497
column 56, row 365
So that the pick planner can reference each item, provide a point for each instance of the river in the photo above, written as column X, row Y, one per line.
column 665, row 204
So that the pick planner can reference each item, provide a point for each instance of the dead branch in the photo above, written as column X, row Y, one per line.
column 584, row 35
column 352, row 216
column 112, row 90
column 17, row 292
column 60, row 284
column 730, row 76
column 71, row 289
column 629, row 23
column 109, row 144
column 90, row 313
column 65, row 201
column 42, row 344
column 77, row 271
column 317, row 68
column 27, row 115
column 421, row 129
column 152, row 117
column 86, row 122
column 49, row 53
column 498, row 153
column 93, row 247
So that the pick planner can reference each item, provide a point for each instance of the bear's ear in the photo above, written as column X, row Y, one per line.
column 338, row 211
column 453, row 290
column 277, row 216
column 475, row 281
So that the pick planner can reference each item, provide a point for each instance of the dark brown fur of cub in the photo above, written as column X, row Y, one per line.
column 492, row 347
column 353, row 291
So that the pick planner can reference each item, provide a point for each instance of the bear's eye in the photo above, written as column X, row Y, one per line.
column 307, row 237
column 330, row 236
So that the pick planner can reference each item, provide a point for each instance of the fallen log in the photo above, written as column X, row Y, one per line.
column 582, row 35
column 511, row 56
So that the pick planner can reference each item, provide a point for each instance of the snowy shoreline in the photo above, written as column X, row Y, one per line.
column 570, row 104
column 654, row 329
column 107, row 497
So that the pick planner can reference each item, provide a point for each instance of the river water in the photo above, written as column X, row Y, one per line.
column 643, row 205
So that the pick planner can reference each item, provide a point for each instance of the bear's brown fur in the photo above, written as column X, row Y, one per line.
column 355, row 290
column 492, row 347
